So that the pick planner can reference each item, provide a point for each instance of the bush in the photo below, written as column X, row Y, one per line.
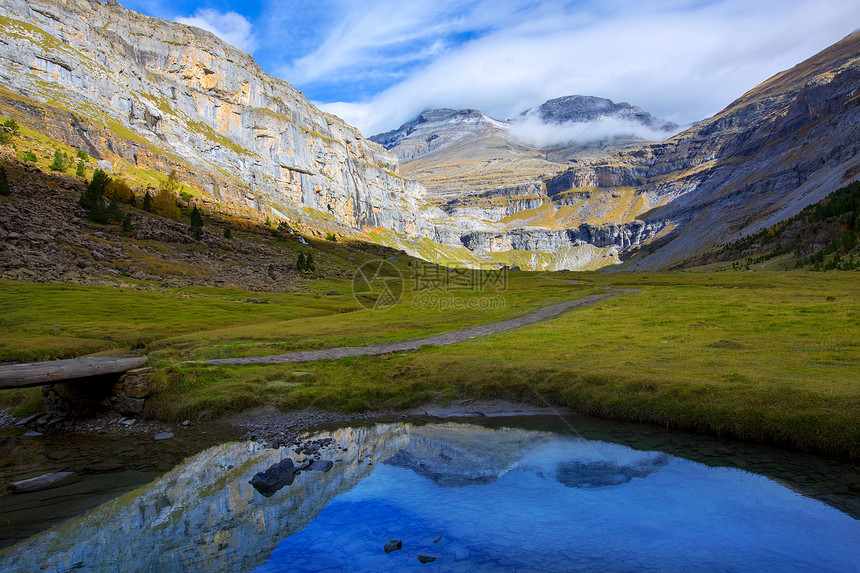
column 82, row 155
column 227, row 233
column 12, row 126
column 121, row 189
column 29, row 156
column 330, row 237
column 4, row 182
column 309, row 263
column 164, row 204
column 79, row 170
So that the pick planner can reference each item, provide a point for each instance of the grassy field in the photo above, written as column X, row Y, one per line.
column 769, row 357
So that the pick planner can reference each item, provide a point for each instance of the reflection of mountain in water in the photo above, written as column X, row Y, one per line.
column 599, row 474
column 205, row 515
column 461, row 454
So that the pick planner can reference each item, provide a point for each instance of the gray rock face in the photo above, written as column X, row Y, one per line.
column 579, row 108
column 187, row 100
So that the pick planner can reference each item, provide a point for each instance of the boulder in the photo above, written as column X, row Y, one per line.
column 105, row 165
column 277, row 476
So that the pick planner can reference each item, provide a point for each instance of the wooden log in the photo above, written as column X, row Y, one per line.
column 41, row 373
column 55, row 479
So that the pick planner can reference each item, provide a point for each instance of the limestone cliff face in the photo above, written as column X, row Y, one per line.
column 160, row 94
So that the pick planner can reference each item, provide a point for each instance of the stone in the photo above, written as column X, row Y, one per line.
column 426, row 558
column 281, row 474
column 129, row 406
column 438, row 539
column 163, row 436
column 136, row 383
column 32, row 434
column 45, row 481
column 104, row 165
column 392, row 545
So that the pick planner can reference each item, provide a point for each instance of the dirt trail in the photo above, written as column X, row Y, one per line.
column 415, row 343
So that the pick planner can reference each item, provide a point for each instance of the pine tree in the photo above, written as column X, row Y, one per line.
column 79, row 171
column 4, row 182
column 147, row 201
column 227, row 233
column 92, row 199
column 309, row 263
column 126, row 224
column 196, row 219
column 300, row 263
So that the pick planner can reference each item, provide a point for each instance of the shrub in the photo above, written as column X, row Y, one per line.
column 4, row 182
column 79, row 170
column 82, row 155
column 12, row 126
column 29, row 156
column 309, row 262
column 227, row 233
column 330, row 237
column 165, row 204
column 121, row 189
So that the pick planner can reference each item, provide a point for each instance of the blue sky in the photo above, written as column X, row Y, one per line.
column 379, row 63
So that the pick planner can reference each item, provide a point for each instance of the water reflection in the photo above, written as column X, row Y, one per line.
column 501, row 499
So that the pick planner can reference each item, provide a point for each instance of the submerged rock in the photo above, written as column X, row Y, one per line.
column 46, row 481
column 392, row 545
column 426, row 558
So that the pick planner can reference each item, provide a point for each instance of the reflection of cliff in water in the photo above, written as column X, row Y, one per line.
column 205, row 515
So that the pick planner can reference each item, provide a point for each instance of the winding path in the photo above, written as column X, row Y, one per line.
column 415, row 343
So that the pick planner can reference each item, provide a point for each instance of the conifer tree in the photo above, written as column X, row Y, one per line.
column 300, row 263
column 147, row 201
column 309, row 263
column 4, row 182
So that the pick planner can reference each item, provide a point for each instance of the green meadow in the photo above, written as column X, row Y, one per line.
column 770, row 357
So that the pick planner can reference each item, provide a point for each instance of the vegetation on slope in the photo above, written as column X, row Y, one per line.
column 822, row 237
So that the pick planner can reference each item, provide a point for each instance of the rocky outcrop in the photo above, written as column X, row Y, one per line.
column 621, row 235
column 160, row 94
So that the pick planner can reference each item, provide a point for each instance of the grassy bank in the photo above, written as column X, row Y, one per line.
column 764, row 357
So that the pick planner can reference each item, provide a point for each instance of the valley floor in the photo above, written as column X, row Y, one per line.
column 769, row 357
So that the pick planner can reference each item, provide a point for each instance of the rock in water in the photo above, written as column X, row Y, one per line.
column 392, row 545
column 426, row 558
column 277, row 476
column 438, row 539
column 44, row 482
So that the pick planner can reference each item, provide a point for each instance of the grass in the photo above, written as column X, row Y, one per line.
column 772, row 357
column 758, row 357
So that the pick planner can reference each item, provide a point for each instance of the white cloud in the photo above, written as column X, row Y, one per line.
column 534, row 131
column 679, row 59
column 231, row 27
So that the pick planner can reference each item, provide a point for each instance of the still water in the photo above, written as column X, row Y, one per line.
column 510, row 494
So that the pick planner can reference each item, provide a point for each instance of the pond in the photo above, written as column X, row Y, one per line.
column 497, row 494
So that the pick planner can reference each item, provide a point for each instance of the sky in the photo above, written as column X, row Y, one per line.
column 379, row 63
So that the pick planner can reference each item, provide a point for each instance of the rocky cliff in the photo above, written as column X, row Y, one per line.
column 149, row 94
